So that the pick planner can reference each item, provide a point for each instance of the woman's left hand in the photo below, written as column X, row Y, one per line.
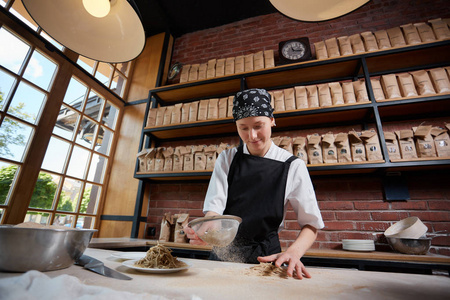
column 291, row 259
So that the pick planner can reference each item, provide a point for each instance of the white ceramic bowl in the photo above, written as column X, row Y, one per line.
column 409, row 228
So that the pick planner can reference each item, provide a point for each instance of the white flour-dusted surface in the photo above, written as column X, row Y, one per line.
column 221, row 280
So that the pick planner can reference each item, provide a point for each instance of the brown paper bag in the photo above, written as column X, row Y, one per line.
column 220, row 67
column 382, row 39
column 199, row 157
column 440, row 80
column 313, row 96
column 269, row 61
column 159, row 160
column 321, row 50
column 324, row 95
column 332, row 47
column 160, row 115
column 179, row 234
column 211, row 70
column 213, row 109
column 272, row 99
column 286, row 144
column 142, row 160
column 406, row 85
column 193, row 72
column 301, row 97
column 279, row 100
column 441, row 141
column 229, row 65
column 248, row 62
column 360, row 91
column 348, row 92
column 423, row 82
column 188, row 158
column 203, row 110
column 184, row 76
column 151, row 118
column 258, row 60
column 299, row 148
column 345, row 47
column 185, row 112
column 396, row 37
column 166, row 227
column 289, row 99
column 202, row 69
column 314, row 149
column 406, row 143
column 150, row 159
column 425, row 32
column 193, row 111
column 440, row 29
column 230, row 106
column 329, row 150
column 223, row 107
column 168, row 115
column 211, row 155
column 177, row 160
column 239, row 64
column 411, row 34
column 357, row 43
column 376, row 88
column 392, row 146
column 343, row 148
column 277, row 140
column 357, row 146
column 390, row 86
column 372, row 145
column 370, row 43
column 176, row 113
column 424, row 141
column 337, row 97
column 168, row 159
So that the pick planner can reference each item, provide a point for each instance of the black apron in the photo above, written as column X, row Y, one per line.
column 256, row 191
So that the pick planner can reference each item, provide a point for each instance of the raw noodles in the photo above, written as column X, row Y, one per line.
column 268, row 269
column 159, row 257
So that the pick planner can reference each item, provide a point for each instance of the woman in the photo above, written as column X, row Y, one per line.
column 255, row 181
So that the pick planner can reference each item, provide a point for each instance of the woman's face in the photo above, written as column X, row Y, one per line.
column 256, row 133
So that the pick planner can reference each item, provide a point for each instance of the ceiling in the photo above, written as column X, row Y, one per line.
column 184, row 16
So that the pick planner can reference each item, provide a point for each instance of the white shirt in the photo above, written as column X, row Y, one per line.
column 299, row 189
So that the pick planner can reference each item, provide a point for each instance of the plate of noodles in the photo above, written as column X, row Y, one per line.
column 157, row 260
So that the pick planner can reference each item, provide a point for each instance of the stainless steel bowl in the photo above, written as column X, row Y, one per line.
column 41, row 249
column 410, row 246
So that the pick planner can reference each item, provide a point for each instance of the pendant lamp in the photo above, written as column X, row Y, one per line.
column 316, row 10
column 104, row 30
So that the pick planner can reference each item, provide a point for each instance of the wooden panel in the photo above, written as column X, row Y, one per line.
column 146, row 68
column 122, row 188
column 115, row 228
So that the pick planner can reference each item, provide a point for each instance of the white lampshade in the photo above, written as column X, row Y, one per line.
column 117, row 37
column 316, row 10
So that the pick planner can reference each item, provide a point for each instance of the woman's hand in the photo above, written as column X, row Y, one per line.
column 193, row 238
column 292, row 260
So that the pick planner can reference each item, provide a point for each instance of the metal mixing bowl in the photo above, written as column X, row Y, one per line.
column 41, row 249
column 217, row 231
column 410, row 246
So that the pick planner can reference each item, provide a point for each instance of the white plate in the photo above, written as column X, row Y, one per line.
column 128, row 255
column 130, row 264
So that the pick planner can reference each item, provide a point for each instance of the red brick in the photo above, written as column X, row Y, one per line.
column 371, row 205
column 372, row 226
column 439, row 205
column 352, row 215
column 435, row 216
column 339, row 225
column 328, row 215
column 335, row 205
column 409, row 205
column 389, row 216
column 290, row 225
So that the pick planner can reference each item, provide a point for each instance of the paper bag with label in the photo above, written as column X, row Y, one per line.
column 441, row 141
column 299, row 148
column 223, row 108
column 357, row 43
column 184, row 76
column 160, row 115
column 229, row 65
column 177, row 160
column 423, row 82
column 343, row 147
column 440, row 80
column 345, row 47
column 230, row 106
column 193, row 111
column 390, row 86
column 356, row 146
column 313, row 96
column 151, row 118
column 220, row 67
column 193, row 72
column 199, row 157
column 289, row 99
column 150, row 160
column 276, row 140
column 179, row 235
column 185, row 112
column 424, row 141
column 301, row 97
column 396, row 37
column 332, row 47
column 406, row 143
column 314, row 149
column 202, row 69
column 321, row 50
column 176, row 113
column 188, row 158
column 168, row 158
column 166, row 227
column 210, row 155
column 392, row 146
column 382, row 39
column 376, row 88
column 372, row 145
column 370, row 42
column 348, row 92
column 286, row 144
column 203, row 110
column 336, row 93
column 269, row 61
column 213, row 109
column 142, row 160
column 406, row 84
column 411, row 34
column 329, row 148
column 211, row 69
column 279, row 101
column 159, row 160
column 324, row 95
column 360, row 91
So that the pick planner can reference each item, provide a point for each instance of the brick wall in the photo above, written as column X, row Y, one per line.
column 352, row 205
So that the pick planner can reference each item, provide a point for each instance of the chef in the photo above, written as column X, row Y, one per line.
column 255, row 181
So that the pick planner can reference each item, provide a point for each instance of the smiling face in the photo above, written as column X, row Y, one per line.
column 256, row 133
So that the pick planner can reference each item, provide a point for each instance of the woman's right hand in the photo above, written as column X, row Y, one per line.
column 192, row 236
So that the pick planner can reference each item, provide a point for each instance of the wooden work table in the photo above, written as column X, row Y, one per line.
column 373, row 260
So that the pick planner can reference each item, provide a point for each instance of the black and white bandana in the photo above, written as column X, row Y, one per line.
column 252, row 103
